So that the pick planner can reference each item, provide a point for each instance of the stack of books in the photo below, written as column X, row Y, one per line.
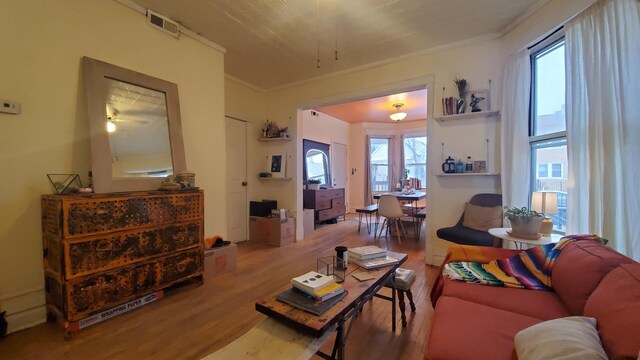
column 313, row 292
column 370, row 257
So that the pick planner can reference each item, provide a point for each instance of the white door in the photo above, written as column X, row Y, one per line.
column 339, row 167
column 237, row 219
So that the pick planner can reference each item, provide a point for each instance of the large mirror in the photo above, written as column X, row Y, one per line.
column 136, row 135
column 316, row 162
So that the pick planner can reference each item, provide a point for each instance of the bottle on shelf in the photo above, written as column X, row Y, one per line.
column 468, row 168
column 459, row 166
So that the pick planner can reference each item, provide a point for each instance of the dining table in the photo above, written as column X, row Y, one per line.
column 412, row 197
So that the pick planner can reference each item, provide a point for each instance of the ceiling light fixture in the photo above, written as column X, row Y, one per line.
column 398, row 115
column 111, row 126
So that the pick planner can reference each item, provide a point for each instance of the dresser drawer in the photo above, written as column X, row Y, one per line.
column 102, row 291
column 82, row 217
column 329, row 214
column 99, row 253
column 337, row 202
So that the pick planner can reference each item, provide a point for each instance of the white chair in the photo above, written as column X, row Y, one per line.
column 390, row 208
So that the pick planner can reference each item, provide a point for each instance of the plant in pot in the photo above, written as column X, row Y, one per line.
column 313, row 184
column 525, row 223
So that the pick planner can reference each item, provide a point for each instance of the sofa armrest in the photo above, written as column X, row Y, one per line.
column 479, row 254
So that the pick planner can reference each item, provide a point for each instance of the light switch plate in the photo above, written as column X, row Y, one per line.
column 9, row 107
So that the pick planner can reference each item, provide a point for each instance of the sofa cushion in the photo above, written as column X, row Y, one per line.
column 578, row 271
column 616, row 305
column 482, row 218
column 465, row 330
column 465, row 236
column 543, row 305
column 570, row 338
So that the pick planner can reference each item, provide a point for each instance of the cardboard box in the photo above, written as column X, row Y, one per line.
column 220, row 260
column 272, row 231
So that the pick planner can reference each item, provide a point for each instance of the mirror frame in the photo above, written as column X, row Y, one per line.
column 95, row 74
column 322, row 147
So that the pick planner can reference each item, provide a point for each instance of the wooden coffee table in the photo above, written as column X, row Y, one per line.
column 359, row 294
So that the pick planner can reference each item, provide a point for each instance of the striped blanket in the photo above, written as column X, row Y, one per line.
column 529, row 269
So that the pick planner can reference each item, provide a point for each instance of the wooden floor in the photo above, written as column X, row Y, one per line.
column 195, row 322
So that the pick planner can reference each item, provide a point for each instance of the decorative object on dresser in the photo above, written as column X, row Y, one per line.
column 327, row 204
column 103, row 250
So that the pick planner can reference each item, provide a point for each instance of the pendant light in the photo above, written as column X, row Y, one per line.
column 398, row 115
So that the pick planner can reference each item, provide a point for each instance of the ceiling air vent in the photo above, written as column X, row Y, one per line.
column 163, row 23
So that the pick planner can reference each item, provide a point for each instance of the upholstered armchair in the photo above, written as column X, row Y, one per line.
column 475, row 233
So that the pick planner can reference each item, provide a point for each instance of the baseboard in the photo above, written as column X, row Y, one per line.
column 24, row 310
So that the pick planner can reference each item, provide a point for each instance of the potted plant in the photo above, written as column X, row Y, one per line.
column 313, row 184
column 525, row 223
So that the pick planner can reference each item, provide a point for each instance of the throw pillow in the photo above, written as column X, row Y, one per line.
column 569, row 338
column 482, row 218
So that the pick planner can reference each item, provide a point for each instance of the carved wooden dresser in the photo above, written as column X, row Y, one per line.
column 102, row 250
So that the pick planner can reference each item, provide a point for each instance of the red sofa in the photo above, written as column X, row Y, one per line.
column 473, row 321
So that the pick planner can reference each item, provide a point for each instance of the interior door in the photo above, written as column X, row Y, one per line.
column 236, row 142
column 339, row 167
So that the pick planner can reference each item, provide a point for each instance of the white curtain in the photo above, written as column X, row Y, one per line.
column 603, row 123
column 515, row 130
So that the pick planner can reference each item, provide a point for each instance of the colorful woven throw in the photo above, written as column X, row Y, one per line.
column 529, row 269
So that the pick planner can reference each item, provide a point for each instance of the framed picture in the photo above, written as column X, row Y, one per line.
column 481, row 99
column 480, row 166
column 277, row 164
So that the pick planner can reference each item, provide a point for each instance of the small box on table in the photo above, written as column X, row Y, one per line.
column 219, row 260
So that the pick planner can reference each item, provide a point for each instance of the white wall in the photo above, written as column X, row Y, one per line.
column 44, row 42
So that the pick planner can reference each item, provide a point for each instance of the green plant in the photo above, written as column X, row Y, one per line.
column 406, row 173
column 523, row 212
column 314, row 181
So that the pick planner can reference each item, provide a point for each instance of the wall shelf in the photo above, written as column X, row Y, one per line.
column 469, row 115
column 469, row 174
column 274, row 178
column 274, row 139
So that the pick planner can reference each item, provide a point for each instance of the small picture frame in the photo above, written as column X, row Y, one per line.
column 277, row 165
column 482, row 105
column 480, row 166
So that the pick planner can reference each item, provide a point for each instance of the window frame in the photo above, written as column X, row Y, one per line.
column 402, row 160
column 388, row 164
column 536, row 142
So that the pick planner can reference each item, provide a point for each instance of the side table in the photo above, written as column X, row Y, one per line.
column 520, row 243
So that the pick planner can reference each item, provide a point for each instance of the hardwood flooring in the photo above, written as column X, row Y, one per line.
column 191, row 323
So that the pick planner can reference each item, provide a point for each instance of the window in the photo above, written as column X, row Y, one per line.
column 379, row 155
column 547, row 125
column 415, row 157
column 546, row 170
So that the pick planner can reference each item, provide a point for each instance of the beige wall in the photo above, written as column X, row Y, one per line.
column 44, row 42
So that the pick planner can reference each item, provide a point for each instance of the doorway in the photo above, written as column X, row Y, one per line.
column 236, row 144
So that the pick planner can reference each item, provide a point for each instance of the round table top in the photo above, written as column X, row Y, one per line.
column 545, row 239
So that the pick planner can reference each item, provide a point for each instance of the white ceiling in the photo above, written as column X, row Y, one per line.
column 271, row 43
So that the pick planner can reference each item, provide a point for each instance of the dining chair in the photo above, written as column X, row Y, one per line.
column 389, row 207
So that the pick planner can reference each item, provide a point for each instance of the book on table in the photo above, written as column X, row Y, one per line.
column 301, row 301
column 374, row 263
column 367, row 252
column 323, row 294
column 312, row 282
